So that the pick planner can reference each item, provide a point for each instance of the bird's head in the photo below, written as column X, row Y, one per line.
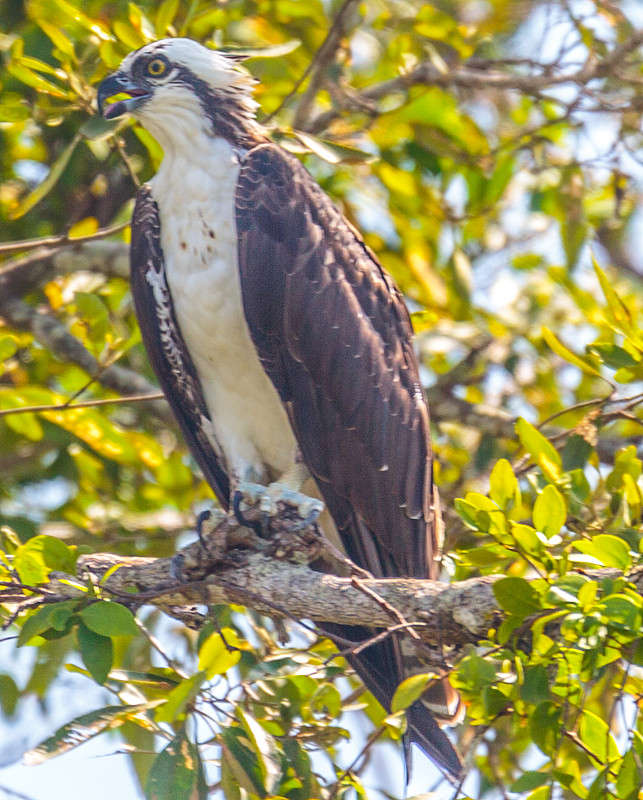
column 173, row 85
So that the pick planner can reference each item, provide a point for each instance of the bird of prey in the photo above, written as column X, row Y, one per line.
column 283, row 347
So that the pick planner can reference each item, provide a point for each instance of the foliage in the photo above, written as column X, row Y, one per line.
column 485, row 151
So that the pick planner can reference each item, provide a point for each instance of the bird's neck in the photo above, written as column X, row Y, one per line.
column 187, row 126
column 232, row 116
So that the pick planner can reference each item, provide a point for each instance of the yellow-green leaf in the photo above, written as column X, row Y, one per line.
column 411, row 690
column 49, row 182
column 550, row 511
column 504, row 489
column 215, row 657
column 536, row 444
column 563, row 352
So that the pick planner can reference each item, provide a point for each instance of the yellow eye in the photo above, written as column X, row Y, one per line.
column 156, row 67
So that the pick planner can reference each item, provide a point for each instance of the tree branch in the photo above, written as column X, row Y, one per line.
column 322, row 60
column 24, row 274
column 477, row 74
column 243, row 569
column 53, row 335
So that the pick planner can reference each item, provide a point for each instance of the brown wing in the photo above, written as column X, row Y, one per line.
column 335, row 337
column 165, row 347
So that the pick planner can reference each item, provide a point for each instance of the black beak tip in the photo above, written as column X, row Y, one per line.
column 118, row 84
column 107, row 88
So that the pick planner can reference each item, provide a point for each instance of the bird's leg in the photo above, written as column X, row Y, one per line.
column 285, row 492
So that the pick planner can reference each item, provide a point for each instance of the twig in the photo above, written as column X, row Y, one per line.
column 391, row 610
column 133, row 398
column 369, row 743
column 477, row 75
column 319, row 63
column 62, row 240
column 54, row 336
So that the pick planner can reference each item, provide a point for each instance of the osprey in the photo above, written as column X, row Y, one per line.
column 283, row 347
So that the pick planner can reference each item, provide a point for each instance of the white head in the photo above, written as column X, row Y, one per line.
column 177, row 86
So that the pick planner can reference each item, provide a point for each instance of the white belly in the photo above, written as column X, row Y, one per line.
column 200, row 249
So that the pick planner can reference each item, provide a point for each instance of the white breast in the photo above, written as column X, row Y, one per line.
column 200, row 250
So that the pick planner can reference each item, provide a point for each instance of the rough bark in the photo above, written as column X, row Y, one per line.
column 274, row 577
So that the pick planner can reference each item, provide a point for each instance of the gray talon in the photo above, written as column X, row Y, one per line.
column 269, row 497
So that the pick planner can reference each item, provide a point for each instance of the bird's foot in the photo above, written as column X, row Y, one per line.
column 276, row 500
column 219, row 541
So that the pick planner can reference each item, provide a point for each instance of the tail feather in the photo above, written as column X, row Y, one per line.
column 374, row 666
column 424, row 730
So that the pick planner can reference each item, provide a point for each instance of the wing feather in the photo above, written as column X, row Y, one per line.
column 334, row 335
column 165, row 347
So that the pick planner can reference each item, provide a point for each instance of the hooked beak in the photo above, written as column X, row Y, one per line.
column 120, row 84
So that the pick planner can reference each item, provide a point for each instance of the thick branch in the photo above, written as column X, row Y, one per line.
column 22, row 275
column 256, row 575
column 53, row 335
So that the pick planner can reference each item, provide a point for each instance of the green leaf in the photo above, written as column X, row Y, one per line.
column 527, row 539
column 623, row 610
column 594, row 734
column 516, row 596
column 45, row 618
column 179, row 697
column 608, row 550
column 535, row 443
column 57, row 36
column 239, row 761
column 499, row 180
column 13, row 107
column 535, row 687
column 550, row 511
column 629, row 779
column 83, row 728
column 9, row 694
column 529, row 781
column 411, row 690
column 97, row 653
column 570, row 777
column 165, row 16
column 504, row 488
column 35, row 559
column 177, row 773
column 43, row 188
column 27, row 76
column 94, row 315
column 109, row 618
column 544, row 726
column 542, row 451
column 215, row 657
column 613, row 356
column 8, row 347
column 618, row 314
column 265, row 748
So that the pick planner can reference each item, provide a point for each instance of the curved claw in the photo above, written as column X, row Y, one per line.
column 255, row 526
column 203, row 517
column 307, row 521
